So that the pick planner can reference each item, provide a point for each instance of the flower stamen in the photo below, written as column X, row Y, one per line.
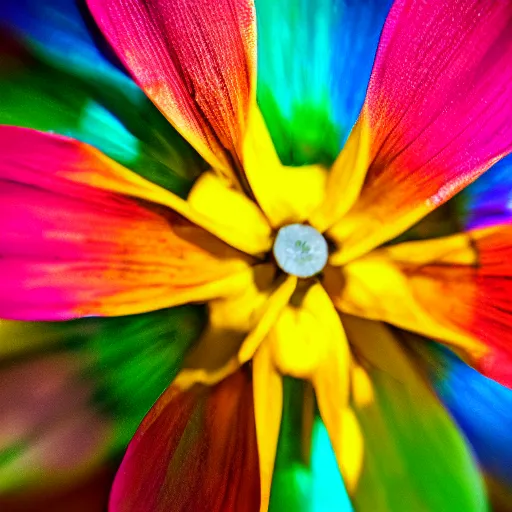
column 300, row 250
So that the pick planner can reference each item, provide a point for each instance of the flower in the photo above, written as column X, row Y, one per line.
column 85, row 236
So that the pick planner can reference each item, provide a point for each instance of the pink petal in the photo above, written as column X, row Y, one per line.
column 73, row 245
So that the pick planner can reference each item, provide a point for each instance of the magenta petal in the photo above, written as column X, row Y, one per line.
column 196, row 61
column 439, row 109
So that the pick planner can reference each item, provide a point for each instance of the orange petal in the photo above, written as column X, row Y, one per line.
column 374, row 287
column 195, row 62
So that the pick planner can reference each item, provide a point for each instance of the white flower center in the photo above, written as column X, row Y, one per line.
column 300, row 250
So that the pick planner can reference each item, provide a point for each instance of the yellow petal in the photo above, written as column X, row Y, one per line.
column 111, row 176
column 308, row 342
column 233, row 212
column 271, row 310
column 375, row 287
column 345, row 179
column 359, row 232
column 286, row 195
column 268, row 408
column 363, row 393
column 231, row 318
column 238, row 323
column 307, row 335
column 451, row 250
column 348, row 444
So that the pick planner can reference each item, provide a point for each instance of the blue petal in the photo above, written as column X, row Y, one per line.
column 481, row 407
column 314, row 61
column 488, row 201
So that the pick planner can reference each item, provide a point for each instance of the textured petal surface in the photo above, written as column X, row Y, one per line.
column 72, row 249
column 481, row 407
column 478, row 297
column 439, row 113
column 196, row 63
column 195, row 450
column 314, row 61
column 415, row 458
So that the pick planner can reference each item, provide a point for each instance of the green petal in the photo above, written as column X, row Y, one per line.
column 415, row 458
column 291, row 483
column 113, row 115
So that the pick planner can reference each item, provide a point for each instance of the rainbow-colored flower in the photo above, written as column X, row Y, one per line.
column 346, row 280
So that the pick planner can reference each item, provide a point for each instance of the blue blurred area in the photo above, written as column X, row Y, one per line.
column 64, row 32
column 488, row 200
column 481, row 407
column 314, row 62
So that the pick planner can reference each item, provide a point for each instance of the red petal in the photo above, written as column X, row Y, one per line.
column 196, row 61
column 484, row 305
column 475, row 299
column 73, row 244
column 195, row 451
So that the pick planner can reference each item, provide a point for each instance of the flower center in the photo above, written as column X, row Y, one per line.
column 300, row 250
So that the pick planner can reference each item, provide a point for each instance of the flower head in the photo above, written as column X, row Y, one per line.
column 300, row 263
